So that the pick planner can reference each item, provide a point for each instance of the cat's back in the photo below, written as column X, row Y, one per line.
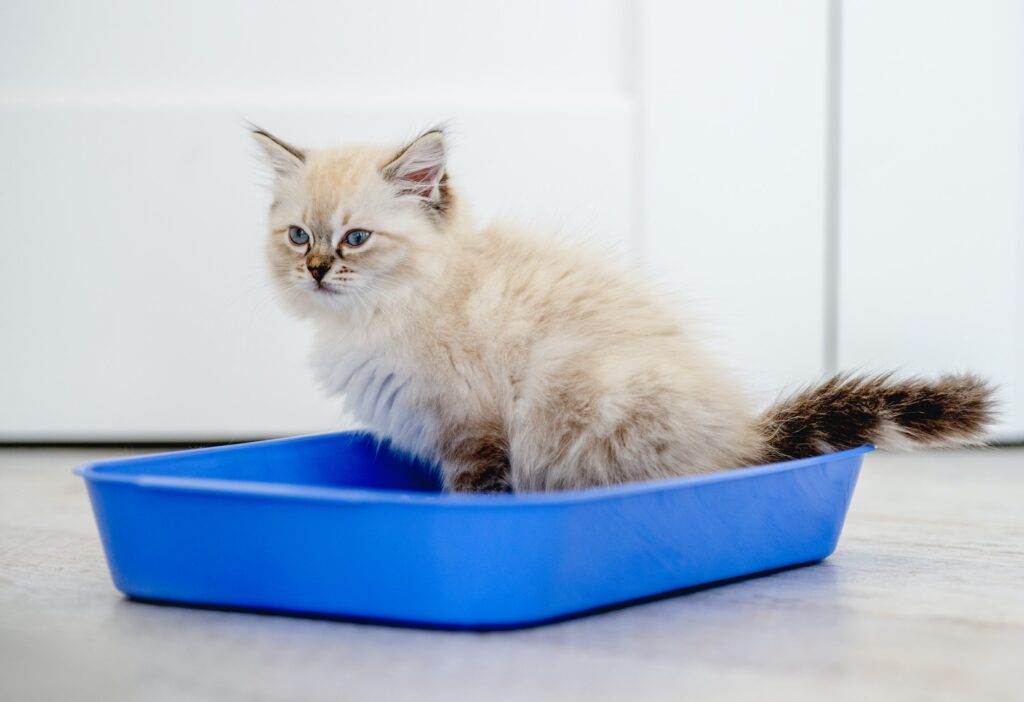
column 531, row 281
column 535, row 271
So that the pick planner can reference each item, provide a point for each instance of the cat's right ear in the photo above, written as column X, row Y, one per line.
column 281, row 156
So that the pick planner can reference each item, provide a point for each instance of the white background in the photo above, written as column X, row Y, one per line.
column 830, row 186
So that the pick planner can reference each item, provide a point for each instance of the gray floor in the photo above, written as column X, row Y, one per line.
column 923, row 600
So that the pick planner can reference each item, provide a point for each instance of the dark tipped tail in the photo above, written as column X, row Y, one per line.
column 848, row 411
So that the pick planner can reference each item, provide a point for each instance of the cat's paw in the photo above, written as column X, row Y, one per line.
column 484, row 481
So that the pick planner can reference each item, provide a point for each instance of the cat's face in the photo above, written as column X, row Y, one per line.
column 355, row 228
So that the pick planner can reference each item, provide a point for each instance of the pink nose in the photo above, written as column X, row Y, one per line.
column 318, row 270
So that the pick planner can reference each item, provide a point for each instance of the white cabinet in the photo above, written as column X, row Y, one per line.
column 931, row 268
column 732, row 98
column 695, row 135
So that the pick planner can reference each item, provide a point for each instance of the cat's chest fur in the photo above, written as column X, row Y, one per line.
column 406, row 392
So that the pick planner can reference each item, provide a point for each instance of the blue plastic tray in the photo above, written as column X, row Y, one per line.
column 339, row 525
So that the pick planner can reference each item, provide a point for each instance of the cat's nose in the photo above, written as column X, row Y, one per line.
column 318, row 269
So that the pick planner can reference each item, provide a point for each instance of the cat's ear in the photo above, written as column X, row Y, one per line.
column 281, row 156
column 419, row 169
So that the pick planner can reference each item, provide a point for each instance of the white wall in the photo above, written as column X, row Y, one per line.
column 133, row 304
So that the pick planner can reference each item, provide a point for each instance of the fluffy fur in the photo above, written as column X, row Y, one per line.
column 517, row 364
column 847, row 411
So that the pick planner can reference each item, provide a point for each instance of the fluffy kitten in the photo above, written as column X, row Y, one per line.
column 516, row 364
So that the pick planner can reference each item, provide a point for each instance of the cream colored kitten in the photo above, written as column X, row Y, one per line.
column 516, row 364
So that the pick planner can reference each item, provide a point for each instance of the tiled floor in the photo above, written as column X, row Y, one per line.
column 924, row 600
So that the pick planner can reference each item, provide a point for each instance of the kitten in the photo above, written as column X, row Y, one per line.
column 519, row 365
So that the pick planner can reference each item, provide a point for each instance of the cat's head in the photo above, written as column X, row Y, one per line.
column 356, row 229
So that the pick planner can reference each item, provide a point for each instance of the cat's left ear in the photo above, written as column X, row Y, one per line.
column 420, row 168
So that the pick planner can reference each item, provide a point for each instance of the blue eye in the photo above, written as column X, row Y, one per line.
column 357, row 237
column 298, row 236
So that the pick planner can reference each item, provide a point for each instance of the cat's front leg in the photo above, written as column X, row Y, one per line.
column 475, row 458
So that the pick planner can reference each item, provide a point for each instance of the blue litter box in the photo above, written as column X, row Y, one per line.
column 340, row 525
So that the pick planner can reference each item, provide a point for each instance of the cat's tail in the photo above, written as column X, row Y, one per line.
column 847, row 411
